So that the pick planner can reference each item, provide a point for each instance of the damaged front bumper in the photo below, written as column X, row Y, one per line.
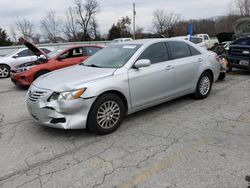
column 65, row 114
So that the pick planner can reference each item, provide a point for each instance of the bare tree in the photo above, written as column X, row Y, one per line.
column 244, row 7
column 94, row 28
column 50, row 26
column 25, row 28
column 70, row 28
column 165, row 23
column 86, row 11
column 13, row 34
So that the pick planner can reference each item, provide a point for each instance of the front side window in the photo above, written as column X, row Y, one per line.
column 25, row 53
column 179, row 49
column 156, row 53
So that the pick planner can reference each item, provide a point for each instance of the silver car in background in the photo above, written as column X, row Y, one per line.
column 120, row 80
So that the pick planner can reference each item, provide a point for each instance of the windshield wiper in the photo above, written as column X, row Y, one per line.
column 92, row 65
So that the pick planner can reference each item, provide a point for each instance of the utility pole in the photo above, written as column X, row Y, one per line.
column 134, row 13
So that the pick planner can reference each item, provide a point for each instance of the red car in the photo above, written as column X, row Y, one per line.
column 25, row 74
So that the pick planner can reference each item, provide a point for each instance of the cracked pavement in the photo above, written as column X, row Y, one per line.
column 182, row 143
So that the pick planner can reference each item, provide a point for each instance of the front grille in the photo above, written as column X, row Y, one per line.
column 34, row 96
column 238, row 51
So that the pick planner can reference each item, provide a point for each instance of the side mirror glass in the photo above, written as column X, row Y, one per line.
column 142, row 63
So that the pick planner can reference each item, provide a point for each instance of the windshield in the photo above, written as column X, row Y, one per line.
column 54, row 53
column 196, row 40
column 114, row 56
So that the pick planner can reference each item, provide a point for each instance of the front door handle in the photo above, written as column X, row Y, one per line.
column 169, row 67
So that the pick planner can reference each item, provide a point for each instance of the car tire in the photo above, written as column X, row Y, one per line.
column 4, row 71
column 204, row 86
column 40, row 74
column 222, row 76
column 106, row 114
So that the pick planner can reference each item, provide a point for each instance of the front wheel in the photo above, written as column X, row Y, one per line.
column 204, row 86
column 106, row 114
column 4, row 71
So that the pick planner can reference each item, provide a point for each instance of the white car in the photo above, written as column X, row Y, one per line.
column 194, row 39
column 16, row 58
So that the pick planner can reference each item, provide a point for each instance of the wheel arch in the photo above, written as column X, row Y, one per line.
column 119, row 94
column 5, row 65
column 210, row 72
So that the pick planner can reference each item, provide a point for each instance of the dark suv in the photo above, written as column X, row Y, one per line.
column 239, row 54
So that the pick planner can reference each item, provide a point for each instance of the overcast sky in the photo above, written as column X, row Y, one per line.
column 111, row 10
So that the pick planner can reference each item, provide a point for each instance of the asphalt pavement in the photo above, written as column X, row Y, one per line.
column 185, row 143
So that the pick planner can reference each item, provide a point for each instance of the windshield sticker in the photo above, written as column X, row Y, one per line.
column 129, row 47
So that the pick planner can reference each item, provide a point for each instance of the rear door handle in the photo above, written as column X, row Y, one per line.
column 169, row 67
column 200, row 60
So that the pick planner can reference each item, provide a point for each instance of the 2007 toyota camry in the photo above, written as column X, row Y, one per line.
column 120, row 80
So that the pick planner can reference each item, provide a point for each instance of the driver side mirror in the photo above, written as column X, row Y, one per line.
column 142, row 63
column 15, row 56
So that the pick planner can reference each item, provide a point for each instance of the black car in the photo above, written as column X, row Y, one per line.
column 239, row 54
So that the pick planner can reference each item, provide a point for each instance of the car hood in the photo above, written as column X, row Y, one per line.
column 33, row 48
column 71, row 77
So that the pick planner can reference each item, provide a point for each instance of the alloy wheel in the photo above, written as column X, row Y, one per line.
column 204, row 86
column 108, row 114
column 4, row 72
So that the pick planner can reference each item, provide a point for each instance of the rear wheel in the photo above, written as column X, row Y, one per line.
column 40, row 74
column 106, row 114
column 204, row 86
column 4, row 71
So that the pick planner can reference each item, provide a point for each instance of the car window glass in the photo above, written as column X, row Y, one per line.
column 156, row 53
column 206, row 37
column 194, row 51
column 25, row 53
column 72, row 53
column 91, row 50
column 179, row 49
column 45, row 50
column 243, row 41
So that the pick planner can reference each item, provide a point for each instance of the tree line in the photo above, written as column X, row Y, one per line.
column 80, row 24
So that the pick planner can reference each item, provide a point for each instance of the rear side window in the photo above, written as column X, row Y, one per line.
column 156, row 53
column 91, row 50
column 206, row 37
column 179, row 49
column 194, row 51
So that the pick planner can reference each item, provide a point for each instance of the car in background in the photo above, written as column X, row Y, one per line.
column 122, row 40
column 18, row 57
column 26, row 73
column 239, row 54
column 194, row 39
column 210, row 43
column 119, row 80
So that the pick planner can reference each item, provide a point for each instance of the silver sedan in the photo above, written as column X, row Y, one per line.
column 120, row 80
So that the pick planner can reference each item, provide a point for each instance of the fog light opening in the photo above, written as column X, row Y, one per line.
column 58, row 120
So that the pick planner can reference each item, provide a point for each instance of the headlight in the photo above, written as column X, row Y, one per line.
column 23, row 69
column 67, row 95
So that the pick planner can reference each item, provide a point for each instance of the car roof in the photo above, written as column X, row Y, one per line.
column 145, row 41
